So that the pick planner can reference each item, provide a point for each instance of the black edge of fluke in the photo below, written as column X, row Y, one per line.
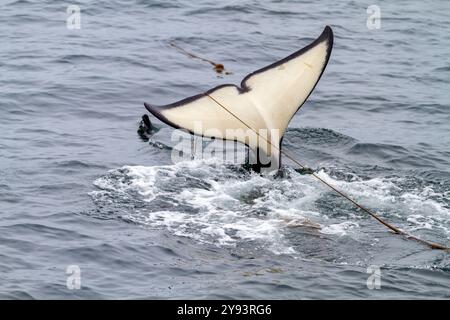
column 326, row 35
column 154, row 110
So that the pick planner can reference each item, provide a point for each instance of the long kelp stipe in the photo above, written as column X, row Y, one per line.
column 218, row 67
column 340, row 193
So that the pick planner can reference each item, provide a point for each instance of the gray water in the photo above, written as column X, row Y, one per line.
column 78, row 186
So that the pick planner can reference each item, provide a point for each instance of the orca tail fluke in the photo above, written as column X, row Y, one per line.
column 267, row 99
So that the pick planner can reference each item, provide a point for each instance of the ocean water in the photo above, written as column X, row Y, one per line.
column 79, row 187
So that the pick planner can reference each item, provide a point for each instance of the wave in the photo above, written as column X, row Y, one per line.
column 224, row 205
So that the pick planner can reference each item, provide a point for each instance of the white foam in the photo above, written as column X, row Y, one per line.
column 213, row 204
column 340, row 229
column 422, row 207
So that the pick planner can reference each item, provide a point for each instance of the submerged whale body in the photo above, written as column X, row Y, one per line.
column 258, row 111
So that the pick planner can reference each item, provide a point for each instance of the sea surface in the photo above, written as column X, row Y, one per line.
column 84, row 197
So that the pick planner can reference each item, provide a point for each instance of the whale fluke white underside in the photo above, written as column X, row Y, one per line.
column 266, row 101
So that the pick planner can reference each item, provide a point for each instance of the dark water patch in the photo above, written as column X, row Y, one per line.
column 76, row 164
column 442, row 69
column 12, row 294
column 158, row 4
column 9, row 196
column 20, row 67
column 50, row 188
column 22, row 246
column 380, row 151
column 318, row 137
column 430, row 108
column 227, row 9
column 9, row 263
column 75, row 58
column 410, row 161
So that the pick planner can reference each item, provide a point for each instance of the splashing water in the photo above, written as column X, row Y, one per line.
column 226, row 206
